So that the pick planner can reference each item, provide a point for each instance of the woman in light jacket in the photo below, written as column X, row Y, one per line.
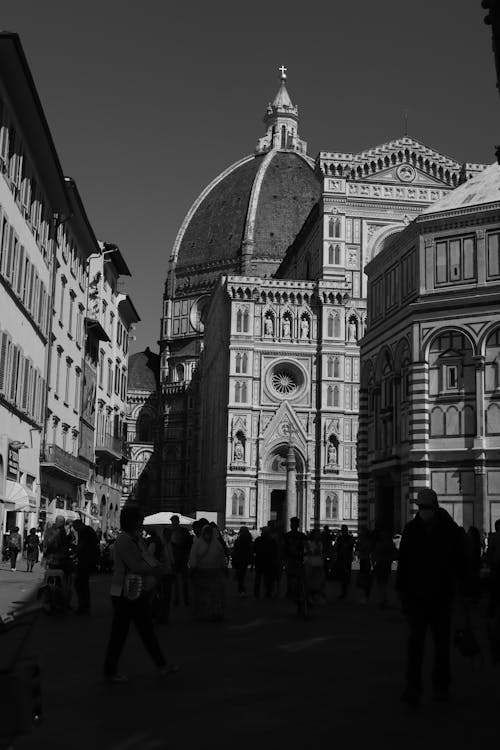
column 208, row 564
column 130, row 557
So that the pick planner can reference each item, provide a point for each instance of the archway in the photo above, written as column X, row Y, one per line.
column 275, row 485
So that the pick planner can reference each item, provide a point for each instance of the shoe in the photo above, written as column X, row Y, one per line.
column 410, row 698
column 115, row 679
column 169, row 669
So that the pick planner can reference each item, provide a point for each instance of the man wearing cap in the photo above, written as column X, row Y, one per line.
column 431, row 566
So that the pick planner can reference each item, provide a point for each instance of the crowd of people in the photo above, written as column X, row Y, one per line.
column 155, row 569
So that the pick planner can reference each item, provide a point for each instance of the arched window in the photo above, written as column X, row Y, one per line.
column 331, row 257
column 337, row 228
column 144, row 429
column 239, row 321
column 244, row 363
column 246, row 319
column 337, row 255
column 238, row 362
column 336, row 367
column 238, row 503
column 331, row 324
column 336, row 397
column 329, row 396
column 180, row 373
column 331, row 228
column 331, row 507
column 243, row 392
column 336, row 327
column 283, row 136
column 237, row 392
column 330, row 367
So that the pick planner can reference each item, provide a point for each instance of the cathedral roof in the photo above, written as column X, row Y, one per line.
column 246, row 218
column 482, row 189
column 143, row 371
column 254, row 209
column 282, row 99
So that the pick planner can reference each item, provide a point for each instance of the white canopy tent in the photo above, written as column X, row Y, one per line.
column 164, row 519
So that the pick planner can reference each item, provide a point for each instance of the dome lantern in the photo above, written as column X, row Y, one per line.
column 281, row 120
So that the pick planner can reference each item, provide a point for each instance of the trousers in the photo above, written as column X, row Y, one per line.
column 422, row 616
column 82, row 587
column 124, row 613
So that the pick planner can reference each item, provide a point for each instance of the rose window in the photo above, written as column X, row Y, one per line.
column 284, row 382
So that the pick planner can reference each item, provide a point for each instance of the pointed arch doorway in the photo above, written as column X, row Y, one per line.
column 273, row 484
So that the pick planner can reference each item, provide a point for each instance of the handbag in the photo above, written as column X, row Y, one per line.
column 133, row 586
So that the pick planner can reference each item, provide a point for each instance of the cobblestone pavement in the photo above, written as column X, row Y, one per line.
column 16, row 586
column 261, row 679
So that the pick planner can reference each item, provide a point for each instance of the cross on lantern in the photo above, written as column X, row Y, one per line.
column 283, row 70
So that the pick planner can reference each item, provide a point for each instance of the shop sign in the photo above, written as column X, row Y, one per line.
column 13, row 463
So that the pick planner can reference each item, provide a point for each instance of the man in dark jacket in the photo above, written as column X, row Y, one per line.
column 431, row 566
column 87, row 555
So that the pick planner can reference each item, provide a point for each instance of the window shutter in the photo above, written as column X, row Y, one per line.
column 4, row 340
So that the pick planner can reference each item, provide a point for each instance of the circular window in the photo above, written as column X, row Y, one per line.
column 284, row 382
column 198, row 312
column 286, row 379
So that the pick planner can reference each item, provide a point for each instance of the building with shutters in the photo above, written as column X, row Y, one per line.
column 32, row 195
column 115, row 314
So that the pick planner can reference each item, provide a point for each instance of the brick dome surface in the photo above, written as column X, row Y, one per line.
column 143, row 371
column 262, row 200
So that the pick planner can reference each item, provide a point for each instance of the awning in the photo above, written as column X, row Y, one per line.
column 164, row 519
column 18, row 497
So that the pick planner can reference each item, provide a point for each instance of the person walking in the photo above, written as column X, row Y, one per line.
column 86, row 556
column 181, row 542
column 242, row 557
column 431, row 566
column 364, row 549
column 32, row 550
column 295, row 544
column 473, row 547
column 314, row 568
column 14, row 546
column 266, row 553
column 129, row 597
column 384, row 554
column 208, row 566
column 343, row 551
column 493, row 562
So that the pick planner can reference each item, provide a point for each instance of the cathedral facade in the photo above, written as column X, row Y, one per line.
column 264, row 306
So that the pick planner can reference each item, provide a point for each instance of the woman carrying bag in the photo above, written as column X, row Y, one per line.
column 135, row 574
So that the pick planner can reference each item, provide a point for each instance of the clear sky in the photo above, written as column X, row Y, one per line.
column 148, row 101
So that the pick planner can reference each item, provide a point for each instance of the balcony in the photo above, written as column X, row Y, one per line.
column 58, row 462
column 109, row 446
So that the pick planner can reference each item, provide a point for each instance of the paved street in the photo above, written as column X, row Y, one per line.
column 16, row 586
column 262, row 678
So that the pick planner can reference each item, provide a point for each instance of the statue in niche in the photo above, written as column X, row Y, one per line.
column 304, row 328
column 331, row 454
column 268, row 326
column 352, row 331
column 239, row 450
column 287, row 329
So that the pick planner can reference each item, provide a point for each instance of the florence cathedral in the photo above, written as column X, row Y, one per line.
column 251, row 410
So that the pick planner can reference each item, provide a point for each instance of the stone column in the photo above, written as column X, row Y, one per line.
column 291, row 485
column 481, row 509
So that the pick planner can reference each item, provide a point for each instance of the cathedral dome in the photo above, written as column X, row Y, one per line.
column 143, row 371
column 244, row 221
